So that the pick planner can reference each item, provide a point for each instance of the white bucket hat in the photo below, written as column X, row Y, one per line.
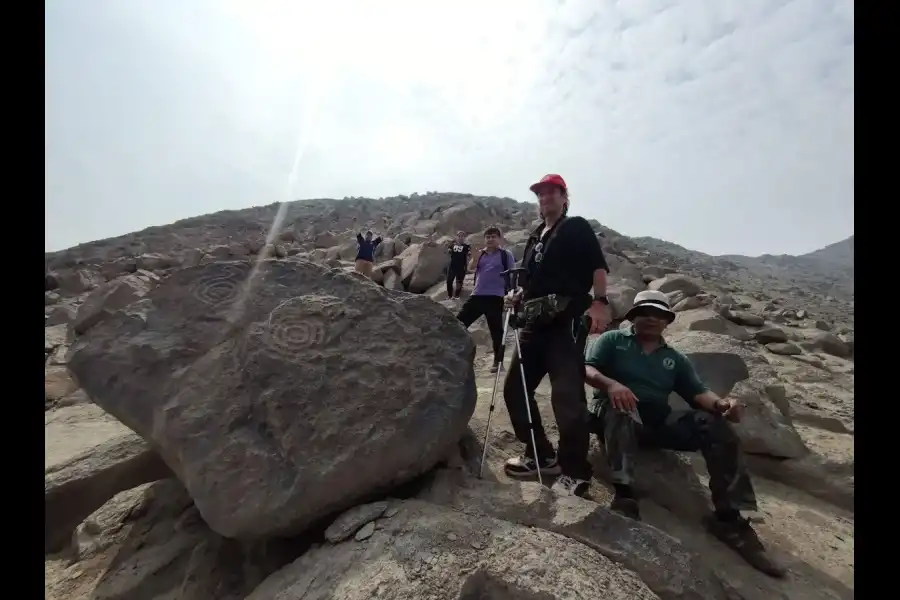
column 651, row 298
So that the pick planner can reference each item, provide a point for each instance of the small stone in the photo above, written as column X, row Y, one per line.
column 366, row 532
column 351, row 521
column 770, row 335
column 785, row 349
column 451, row 537
column 476, row 545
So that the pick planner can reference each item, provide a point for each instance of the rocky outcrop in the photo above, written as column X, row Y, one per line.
column 77, row 485
column 424, row 551
column 295, row 403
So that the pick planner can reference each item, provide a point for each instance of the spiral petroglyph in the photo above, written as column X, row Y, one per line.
column 290, row 330
column 220, row 286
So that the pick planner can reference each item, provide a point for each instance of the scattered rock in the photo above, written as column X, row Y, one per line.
column 76, row 487
column 784, row 348
column 770, row 335
column 621, row 298
column 822, row 326
column 831, row 344
column 57, row 383
column 365, row 532
column 745, row 318
column 675, row 283
column 691, row 303
column 707, row 320
column 351, row 521
column 108, row 298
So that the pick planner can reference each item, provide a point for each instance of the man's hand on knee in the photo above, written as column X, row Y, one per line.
column 731, row 409
column 621, row 397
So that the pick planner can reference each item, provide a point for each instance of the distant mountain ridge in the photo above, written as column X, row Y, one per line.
column 840, row 253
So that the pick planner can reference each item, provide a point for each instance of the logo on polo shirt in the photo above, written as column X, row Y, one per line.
column 669, row 363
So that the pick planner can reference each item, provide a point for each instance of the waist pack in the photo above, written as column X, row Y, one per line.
column 544, row 310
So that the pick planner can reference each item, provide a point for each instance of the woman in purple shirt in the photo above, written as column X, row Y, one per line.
column 490, row 287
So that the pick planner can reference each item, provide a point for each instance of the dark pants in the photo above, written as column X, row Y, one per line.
column 492, row 309
column 683, row 431
column 458, row 274
column 552, row 351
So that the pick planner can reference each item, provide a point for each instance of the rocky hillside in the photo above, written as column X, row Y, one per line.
column 839, row 253
column 231, row 413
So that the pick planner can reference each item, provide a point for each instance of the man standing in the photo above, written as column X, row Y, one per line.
column 490, row 287
column 634, row 371
column 365, row 253
column 459, row 257
column 563, row 261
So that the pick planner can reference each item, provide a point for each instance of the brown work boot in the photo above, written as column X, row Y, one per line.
column 740, row 537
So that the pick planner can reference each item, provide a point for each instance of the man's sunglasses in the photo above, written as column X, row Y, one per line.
column 652, row 313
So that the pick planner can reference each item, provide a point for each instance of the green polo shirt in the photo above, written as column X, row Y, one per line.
column 651, row 377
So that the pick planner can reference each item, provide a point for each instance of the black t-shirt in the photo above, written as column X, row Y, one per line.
column 459, row 254
column 567, row 268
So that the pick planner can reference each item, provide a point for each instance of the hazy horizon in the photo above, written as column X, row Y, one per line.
column 721, row 126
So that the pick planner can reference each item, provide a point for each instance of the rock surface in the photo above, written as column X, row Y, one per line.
column 252, row 393
column 80, row 478
column 425, row 551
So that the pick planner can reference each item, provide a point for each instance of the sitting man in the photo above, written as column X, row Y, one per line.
column 633, row 372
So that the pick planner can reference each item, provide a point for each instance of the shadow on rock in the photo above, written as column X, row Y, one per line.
column 162, row 549
column 667, row 567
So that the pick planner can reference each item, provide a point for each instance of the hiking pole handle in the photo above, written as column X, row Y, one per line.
column 512, row 276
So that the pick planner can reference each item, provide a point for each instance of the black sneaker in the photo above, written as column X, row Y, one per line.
column 496, row 367
column 524, row 466
column 740, row 537
column 627, row 507
column 570, row 486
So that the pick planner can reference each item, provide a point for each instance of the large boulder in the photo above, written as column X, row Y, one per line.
column 264, row 396
column 621, row 298
column 423, row 265
column 463, row 217
column 730, row 369
column 675, row 283
column 107, row 299
column 703, row 319
column 831, row 344
column 425, row 551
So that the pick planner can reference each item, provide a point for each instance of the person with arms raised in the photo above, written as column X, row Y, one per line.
column 365, row 253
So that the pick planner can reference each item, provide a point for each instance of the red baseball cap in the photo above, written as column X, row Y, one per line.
column 551, row 179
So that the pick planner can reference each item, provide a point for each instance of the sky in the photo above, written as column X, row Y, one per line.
column 725, row 126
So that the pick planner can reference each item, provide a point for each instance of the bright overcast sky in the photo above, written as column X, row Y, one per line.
column 723, row 125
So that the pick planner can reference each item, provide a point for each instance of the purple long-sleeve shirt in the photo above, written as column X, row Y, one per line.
column 488, row 274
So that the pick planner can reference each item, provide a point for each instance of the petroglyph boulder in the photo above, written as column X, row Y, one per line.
column 285, row 396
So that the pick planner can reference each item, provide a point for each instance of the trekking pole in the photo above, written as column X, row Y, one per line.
column 513, row 274
column 487, row 430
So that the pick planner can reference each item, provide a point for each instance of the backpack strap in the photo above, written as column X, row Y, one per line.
column 475, row 277
column 536, row 238
column 504, row 259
